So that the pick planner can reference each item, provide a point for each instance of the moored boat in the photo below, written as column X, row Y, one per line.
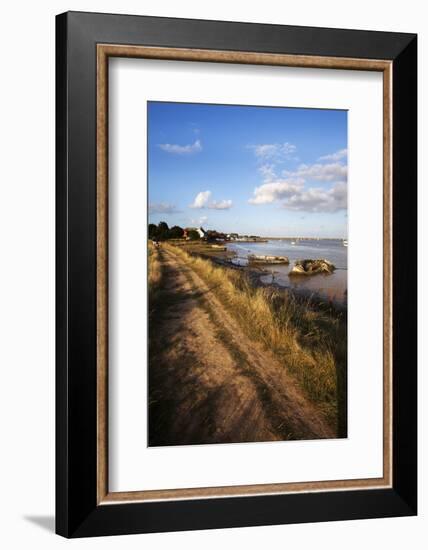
column 311, row 267
column 266, row 259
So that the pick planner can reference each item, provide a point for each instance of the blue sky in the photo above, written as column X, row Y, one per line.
column 251, row 170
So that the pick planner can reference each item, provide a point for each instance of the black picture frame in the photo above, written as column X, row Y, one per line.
column 77, row 512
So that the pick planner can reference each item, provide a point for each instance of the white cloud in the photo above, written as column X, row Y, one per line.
column 265, row 151
column 268, row 172
column 291, row 189
column 162, row 208
column 221, row 205
column 319, row 199
column 275, row 151
column 276, row 190
column 269, row 157
column 321, row 172
column 182, row 149
column 202, row 200
column 338, row 155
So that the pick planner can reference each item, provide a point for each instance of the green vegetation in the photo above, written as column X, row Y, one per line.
column 162, row 232
column 193, row 235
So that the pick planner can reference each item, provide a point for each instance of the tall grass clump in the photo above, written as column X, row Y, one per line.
column 154, row 275
column 154, row 267
column 309, row 338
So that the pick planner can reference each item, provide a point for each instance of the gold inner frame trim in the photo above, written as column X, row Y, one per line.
column 104, row 51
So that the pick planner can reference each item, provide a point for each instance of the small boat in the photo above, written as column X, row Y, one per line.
column 345, row 242
column 311, row 267
column 293, row 242
column 265, row 259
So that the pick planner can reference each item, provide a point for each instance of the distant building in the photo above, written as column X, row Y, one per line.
column 245, row 238
column 200, row 230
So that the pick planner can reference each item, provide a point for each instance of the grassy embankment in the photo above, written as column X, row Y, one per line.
column 310, row 339
column 154, row 276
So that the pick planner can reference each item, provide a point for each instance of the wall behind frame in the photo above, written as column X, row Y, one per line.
column 27, row 271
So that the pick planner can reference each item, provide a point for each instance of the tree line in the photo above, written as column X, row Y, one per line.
column 162, row 232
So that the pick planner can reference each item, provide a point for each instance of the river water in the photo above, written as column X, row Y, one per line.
column 333, row 287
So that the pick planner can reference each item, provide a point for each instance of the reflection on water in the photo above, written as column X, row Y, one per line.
column 332, row 287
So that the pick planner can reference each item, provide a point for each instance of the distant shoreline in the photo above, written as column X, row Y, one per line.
column 305, row 238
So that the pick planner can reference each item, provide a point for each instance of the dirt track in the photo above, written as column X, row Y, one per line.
column 209, row 383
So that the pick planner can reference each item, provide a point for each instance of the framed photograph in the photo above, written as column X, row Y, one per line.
column 236, row 274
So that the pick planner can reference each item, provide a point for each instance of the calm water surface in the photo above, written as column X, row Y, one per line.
column 333, row 287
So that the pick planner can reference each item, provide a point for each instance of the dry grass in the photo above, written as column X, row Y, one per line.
column 155, row 270
column 309, row 338
column 154, row 276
